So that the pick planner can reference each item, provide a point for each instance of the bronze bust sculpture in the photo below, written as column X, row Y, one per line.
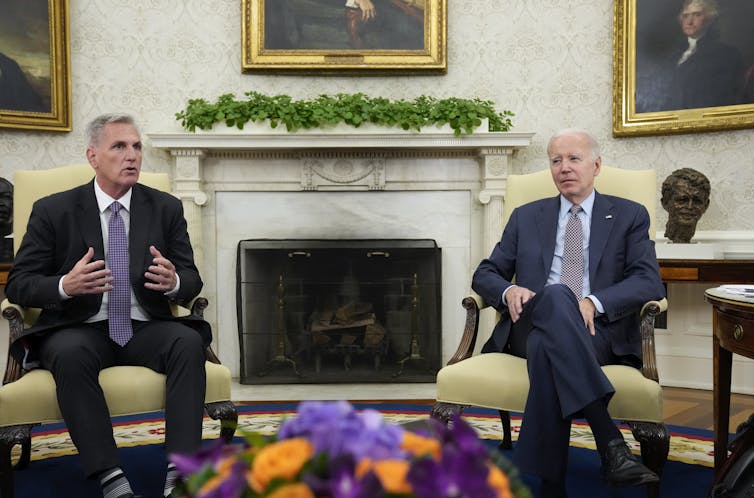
column 685, row 196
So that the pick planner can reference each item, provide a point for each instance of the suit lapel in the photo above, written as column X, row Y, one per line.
column 547, row 225
column 91, row 226
column 603, row 219
column 141, row 216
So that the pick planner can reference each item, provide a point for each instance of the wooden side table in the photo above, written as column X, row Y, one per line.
column 733, row 332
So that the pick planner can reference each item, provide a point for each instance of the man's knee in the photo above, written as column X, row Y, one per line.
column 554, row 301
column 557, row 294
column 72, row 351
column 187, row 341
column 557, row 311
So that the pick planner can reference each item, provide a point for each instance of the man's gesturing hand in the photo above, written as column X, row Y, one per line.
column 161, row 273
column 515, row 299
column 587, row 308
column 87, row 277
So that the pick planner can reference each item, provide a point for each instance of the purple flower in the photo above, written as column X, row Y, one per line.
column 206, row 456
column 336, row 428
column 230, row 485
column 464, row 437
column 462, row 470
column 454, row 476
column 341, row 481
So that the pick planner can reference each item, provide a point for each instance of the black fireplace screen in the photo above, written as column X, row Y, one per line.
column 336, row 311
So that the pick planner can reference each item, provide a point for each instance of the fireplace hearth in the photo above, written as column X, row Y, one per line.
column 339, row 311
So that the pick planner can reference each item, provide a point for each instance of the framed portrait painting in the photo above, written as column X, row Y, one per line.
column 682, row 66
column 35, row 77
column 321, row 36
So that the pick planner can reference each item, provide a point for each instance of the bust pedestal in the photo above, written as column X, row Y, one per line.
column 693, row 250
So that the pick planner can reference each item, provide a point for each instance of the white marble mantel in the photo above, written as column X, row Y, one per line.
column 233, row 185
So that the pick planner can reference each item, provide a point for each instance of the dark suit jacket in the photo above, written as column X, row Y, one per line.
column 63, row 226
column 623, row 270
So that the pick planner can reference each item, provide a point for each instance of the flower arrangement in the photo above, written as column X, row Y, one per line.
column 329, row 450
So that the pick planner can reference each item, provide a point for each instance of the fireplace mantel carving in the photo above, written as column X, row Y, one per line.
column 358, row 151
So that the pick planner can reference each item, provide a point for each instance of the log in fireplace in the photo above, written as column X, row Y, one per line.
column 337, row 311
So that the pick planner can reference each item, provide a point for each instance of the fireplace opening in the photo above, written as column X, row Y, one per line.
column 339, row 311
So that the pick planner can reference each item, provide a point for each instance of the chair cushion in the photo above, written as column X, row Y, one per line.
column 128, row 390
column 500, row 381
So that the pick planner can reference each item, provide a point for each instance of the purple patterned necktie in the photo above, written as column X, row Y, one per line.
column 119, row 300
column 572, row 272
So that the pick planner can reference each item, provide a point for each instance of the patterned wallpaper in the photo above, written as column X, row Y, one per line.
column 547, row 60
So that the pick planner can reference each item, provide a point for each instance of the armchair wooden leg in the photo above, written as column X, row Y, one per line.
column 9, row 437
column 505, row 419
column 444, row 412
column 226, row 412
column 655, row 444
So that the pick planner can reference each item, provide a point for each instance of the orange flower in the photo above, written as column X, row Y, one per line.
column 391, row 473
column 419, row 445
column 297, row 490
column 498, row 481
column 283, row 459
column 222, row 468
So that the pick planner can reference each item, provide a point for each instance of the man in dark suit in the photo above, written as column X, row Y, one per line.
column 583, row 266
column 97, row 314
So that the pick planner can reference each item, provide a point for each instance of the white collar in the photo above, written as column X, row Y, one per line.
column 586, row 205
column 104, row 200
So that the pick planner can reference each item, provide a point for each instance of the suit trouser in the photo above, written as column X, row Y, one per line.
column 75, row 357
column 563, row 361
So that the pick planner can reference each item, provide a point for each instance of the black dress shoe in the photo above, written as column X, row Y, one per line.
column 622, row 468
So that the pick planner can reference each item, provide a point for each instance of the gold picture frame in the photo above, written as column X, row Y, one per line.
column 35, row 61
column 653, row 95
column 322, row 36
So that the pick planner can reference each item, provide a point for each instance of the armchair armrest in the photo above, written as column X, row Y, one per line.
column 647, row 316
column 473, row 304
column 18, row 317
column 15, row 315
column 196, row 308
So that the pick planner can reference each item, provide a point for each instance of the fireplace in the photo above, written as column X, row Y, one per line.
column 240, row 185
column 336, row 311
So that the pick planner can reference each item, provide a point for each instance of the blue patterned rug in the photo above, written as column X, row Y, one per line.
column 55, row 469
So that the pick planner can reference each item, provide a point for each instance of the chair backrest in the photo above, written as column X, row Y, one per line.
column 637, row 185
column 30, row 185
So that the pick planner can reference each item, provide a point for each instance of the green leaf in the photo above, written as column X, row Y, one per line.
column 463, row 115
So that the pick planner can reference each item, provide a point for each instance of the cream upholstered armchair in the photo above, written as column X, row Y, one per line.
column 500, row 381
column 28, row 398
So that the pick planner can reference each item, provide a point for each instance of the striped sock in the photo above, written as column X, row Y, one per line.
column 170, row 479
column 114, row 484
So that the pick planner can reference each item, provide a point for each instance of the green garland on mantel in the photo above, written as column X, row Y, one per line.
column 325, row 111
